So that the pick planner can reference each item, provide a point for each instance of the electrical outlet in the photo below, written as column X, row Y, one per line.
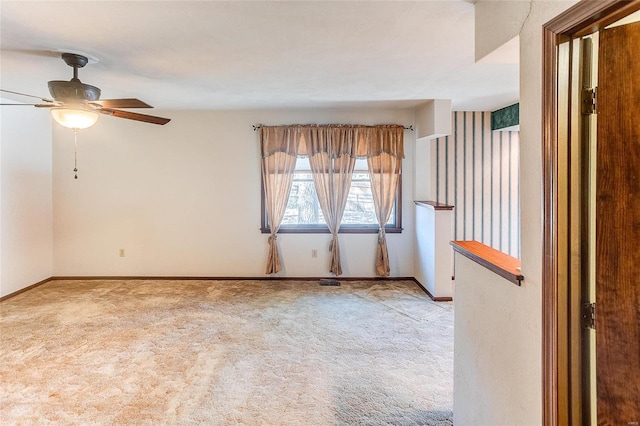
column 121, row 252
column 314, row 253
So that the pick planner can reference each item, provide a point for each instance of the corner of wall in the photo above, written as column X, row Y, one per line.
column 511, row 15
column 26, row 199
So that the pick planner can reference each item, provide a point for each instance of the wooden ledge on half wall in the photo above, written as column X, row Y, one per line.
column 501, row 263
column 434, row 205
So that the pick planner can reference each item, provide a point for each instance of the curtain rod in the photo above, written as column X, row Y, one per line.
column 258, row 126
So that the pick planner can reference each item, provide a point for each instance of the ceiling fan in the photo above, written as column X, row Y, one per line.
column 76, row 105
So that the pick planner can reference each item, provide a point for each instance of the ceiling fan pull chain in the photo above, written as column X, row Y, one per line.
column 75, row 152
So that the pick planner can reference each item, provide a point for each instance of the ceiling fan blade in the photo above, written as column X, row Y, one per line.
column 134, row 116
column 121, row 103
column 35, row 105
column 24, row 94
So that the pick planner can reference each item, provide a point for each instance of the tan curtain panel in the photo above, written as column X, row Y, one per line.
column 332, row 151
column 385, row 153
column 279, row 146
column 332, row 159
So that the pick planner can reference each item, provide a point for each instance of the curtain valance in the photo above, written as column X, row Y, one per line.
column 358, row 141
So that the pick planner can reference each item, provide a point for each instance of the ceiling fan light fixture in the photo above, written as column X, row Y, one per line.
column 74, row 118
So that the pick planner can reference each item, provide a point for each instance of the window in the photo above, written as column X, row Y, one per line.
column 304, row 215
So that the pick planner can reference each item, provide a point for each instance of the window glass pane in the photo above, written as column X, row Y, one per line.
column 303, row 207
column 361, row 165
column 359, row 209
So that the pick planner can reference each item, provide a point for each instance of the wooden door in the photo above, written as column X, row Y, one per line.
column 618, row 227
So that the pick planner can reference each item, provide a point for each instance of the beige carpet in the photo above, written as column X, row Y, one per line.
column 226, row 353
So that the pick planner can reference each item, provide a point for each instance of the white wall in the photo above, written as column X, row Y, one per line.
column 496, row 355
column 184, row 199
column 434, row 258
column 509, row 321
column 26, row 235
column 497, row 22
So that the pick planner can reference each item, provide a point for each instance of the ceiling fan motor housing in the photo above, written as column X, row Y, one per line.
column 73, row 91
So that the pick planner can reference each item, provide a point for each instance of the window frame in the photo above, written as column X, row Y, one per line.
column 344, row 229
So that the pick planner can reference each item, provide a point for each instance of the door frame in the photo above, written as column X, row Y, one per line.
column 581, row 19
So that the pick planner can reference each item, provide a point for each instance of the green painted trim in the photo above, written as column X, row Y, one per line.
column 505, row 117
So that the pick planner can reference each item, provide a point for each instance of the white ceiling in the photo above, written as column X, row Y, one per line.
column 263, row 54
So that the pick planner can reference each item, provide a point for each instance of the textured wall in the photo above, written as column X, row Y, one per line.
column 184, row 199
column 477, row 171
column 497, row 22
column 26, row 249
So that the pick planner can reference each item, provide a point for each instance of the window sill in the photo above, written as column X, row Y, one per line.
column 501, row 263
column 324, row 230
